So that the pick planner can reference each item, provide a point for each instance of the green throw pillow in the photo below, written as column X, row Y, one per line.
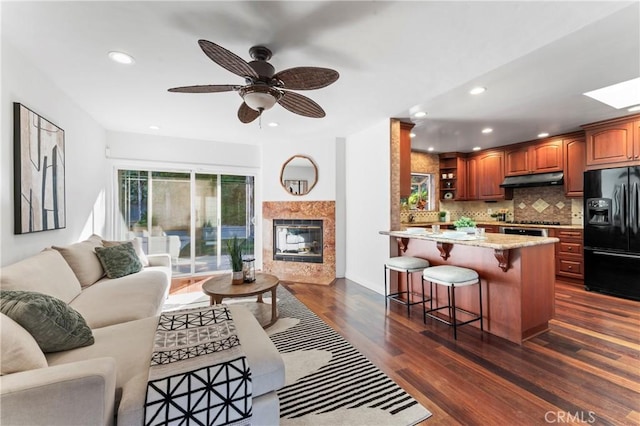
column 119, row 260
column 52, row 323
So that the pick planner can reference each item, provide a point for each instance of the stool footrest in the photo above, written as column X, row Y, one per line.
column 448, row 320
column 396, row 298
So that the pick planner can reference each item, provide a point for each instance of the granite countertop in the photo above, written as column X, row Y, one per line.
column 491, row 223
column 490, row 240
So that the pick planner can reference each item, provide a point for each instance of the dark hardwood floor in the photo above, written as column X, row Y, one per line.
column 585, row 370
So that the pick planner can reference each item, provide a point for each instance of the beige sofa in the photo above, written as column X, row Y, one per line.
column 105, row 383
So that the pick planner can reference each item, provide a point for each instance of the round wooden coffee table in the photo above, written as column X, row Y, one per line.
column 219, row 287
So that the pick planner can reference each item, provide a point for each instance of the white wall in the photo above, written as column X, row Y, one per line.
column 84, row 159
column 341, row 208
column 367, row 205
column 322, row 152
column 144, row 147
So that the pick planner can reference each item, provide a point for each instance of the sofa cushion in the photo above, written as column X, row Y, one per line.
column 119, row 260
column 52, row 323
column 82, row 259
column 137, row 246
column 18, row 349
column 124, row 299
column 46, row 272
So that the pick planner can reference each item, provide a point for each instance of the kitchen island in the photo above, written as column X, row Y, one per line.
column 517, row 275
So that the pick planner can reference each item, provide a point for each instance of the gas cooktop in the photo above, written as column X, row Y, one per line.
column 535, row 222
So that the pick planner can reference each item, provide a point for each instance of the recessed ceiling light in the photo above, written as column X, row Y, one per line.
column 487, row 130
column 154, row 127
column 634, row 109
column 476, row 148
column 430, row 149
column 273, row 124
column 412, row 135
column 420, row 114
column 477, row 90
column 121, row 58
column 620, row 95
column 543, row 135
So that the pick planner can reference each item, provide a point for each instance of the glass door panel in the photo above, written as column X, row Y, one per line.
column 170, row 195
column 207, row 255
column 237, row 214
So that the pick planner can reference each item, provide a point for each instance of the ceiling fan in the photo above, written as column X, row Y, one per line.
column 263, row 86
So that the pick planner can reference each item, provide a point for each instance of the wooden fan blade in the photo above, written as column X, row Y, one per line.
column 226, row 59
column 301, row 105
column 211, row 88
column 246, row 114
column 307, row 78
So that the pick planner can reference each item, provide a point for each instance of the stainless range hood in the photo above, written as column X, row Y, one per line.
column 541, row 179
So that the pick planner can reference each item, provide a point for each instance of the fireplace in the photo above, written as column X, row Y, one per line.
column 297, row 240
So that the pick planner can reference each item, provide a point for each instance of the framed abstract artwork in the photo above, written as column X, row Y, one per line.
column 39, row 168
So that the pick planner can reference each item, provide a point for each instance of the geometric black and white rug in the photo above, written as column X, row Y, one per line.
column 328, row 381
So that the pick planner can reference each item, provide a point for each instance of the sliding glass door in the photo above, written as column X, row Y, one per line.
column 188, row 215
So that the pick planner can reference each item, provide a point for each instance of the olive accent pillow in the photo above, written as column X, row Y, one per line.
column 53, row 324
column 119, row 260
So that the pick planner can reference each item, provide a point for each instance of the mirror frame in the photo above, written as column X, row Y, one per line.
column 315, row 169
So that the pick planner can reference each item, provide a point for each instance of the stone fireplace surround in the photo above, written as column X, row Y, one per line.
column 313, row 273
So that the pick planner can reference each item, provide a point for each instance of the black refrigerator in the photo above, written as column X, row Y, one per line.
column 612, row 231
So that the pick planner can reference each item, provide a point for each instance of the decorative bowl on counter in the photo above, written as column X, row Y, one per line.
column 467, row 229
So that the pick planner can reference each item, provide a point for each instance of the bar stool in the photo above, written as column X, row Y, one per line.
column 452, row 277
column 407, row 265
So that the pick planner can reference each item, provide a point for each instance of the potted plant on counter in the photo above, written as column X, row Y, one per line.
column 443, row 216
column 465, row 224
column 234, row 248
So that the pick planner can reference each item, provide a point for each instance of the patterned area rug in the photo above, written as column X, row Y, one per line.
column 328, row 381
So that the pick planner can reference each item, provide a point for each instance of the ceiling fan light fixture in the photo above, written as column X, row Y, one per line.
column 259, row 97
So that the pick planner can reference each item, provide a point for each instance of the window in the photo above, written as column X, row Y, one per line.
column 187, row 215
column 422, row 188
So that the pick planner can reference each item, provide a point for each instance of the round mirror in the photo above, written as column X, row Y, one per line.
column 299, row 175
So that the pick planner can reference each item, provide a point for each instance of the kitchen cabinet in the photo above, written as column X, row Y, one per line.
column 569, row 253
column 405, row 159
column 537, row 157
column 613, row 143
column 452, row 176
column 490, row 175
column 574, row 165
column 491, row 228
column 471, row 178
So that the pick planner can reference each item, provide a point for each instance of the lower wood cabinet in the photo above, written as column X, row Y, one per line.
column 490, row 228
column 569, row 253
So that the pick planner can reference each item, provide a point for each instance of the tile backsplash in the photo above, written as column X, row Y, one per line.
column 546, row 203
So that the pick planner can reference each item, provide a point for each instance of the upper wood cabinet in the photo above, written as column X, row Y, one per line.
column 539, row 157
column 471, row 178
column 405, row 158
column 490, row 175
column 458, row 176
column 574, row 164
column 452, row 176
column 613, row 143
